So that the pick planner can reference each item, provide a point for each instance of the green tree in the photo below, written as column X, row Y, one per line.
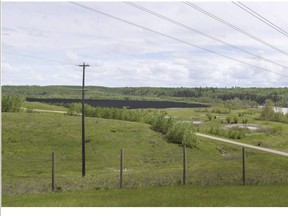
column 11, row 103
column 268, row 110
column 74, row 109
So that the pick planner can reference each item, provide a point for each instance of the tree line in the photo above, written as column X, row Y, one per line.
column 279, row 96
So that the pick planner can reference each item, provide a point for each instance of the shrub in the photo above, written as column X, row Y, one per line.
column 189, row 139
column 182, row 133
column 235, row 119
column 268, row 110
column 162, row 122
column 228, row 119
column 209, row 115
column 11, row 103
column 74, row 109
column 244, row 121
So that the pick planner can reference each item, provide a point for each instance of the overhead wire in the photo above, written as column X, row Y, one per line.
column 234, row 27
column 168, row 36
column 37, row 57
column 43, row 58
column 261, row 18
column 200, row 32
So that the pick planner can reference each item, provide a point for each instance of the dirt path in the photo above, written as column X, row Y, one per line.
column 243, row 144
column 40, row 110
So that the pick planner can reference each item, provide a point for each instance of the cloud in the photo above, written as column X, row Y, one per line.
column 73, row 57
column 121, row 54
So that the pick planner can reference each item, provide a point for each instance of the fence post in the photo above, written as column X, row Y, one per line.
column 53, row 171
column 121, row 168
column 243, row 166
column 184, row 165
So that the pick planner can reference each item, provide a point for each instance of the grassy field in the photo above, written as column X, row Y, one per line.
column 29, row 138
column 269, row 134
column 43, row 106
column 175, row 196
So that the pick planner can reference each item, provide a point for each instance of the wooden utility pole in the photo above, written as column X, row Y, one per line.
column 53, row 171
column 184, row 165
column 121, row 168
column 83, row 121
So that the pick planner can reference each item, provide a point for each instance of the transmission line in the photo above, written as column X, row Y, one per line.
column 199, row 32
column 233, row 27
column 37, row 57
column 170, row 37
column 261, row 18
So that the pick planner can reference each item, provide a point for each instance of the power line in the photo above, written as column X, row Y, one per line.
column 233, row 27
column 170, row 37
column 199, row 32
column 37, row 57
column 261, row 18
column 45, row 59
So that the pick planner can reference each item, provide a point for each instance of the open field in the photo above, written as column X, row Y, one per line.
column 175, row 196
column 29, row 138
column 267, row 134
column 43, row 106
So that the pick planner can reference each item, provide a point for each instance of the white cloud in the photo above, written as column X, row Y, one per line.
column 123, row 55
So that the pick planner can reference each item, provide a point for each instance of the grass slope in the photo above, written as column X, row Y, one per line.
column 29, row 138
column 176, row 196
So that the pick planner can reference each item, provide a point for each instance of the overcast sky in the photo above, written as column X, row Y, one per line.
column 43, row 42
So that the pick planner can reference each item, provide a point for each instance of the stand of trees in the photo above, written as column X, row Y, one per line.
column 279, row 96
column 268, row 113
column 11, row 103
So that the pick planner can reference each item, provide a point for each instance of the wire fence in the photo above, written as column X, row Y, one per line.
column 186, row 170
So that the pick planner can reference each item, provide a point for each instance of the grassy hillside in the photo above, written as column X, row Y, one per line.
column 29, row 138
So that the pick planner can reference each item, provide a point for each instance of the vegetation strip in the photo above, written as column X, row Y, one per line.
column 244, row 145
column 131, row 104
column 175, row 196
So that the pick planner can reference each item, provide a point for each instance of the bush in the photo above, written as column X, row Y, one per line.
column 182, row 133
column 209, row 115
column 244, row 121
column 161, row 122
column 74, row 109
column 235, row 119
column 12, row 103
column 268, row 110
column 228, row 119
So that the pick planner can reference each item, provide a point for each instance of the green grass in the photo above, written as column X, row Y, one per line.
column 176, row 196
column 43, row 106
column 29, row 138
column 265, row 135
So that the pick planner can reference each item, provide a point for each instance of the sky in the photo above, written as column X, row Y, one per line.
column 42, row 43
